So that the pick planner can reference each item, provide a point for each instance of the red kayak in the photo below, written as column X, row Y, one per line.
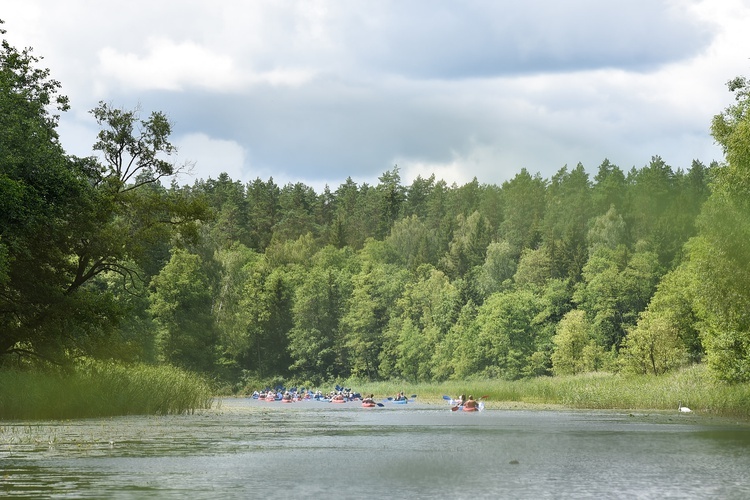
column 456, row 405
column 368, row 405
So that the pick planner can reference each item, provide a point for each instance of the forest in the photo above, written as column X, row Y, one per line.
column 641, row 270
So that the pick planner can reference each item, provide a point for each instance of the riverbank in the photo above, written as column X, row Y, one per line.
column 106, row 389
column 694, row 387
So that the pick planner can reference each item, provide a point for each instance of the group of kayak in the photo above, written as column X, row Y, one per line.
column 462, row 403
column 294, row 396
column 338, row 396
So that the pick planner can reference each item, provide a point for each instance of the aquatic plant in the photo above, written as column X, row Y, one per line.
column 96, row 388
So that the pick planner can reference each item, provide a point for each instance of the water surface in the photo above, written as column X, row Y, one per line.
column 250, row 449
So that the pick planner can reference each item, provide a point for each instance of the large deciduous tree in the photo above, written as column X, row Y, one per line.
column 44, row 196
column 66, row 222
column 507, row 330
column 720, row 254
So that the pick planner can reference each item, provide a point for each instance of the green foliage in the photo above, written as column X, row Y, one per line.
column 68, row 224
column 572, row 336
column 468, row 248
column 507, row 332
column 654, row 347
column 237, row 264
column 411, row 243
column 533, row 271
column 616, row 287
column 722, row 301
column 181, row 303
column 568, row 210
column 498, row 268
column 97, row 389
column 42, row 196
column 265, row 317
column 665, row 336
column 315, row 341
column 375, row 289
column 459, row 354
column 420, row 320
column 609, row 189
column 719, row 256
column 421, row 282
column 524, row 206
column 607, row 230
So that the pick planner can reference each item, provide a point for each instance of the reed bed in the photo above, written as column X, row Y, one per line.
column 694, row 387
column 96, row 389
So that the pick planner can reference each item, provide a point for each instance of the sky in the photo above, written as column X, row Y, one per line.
column 318, row 91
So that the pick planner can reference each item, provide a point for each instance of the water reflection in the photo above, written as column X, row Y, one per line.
column 249, row 449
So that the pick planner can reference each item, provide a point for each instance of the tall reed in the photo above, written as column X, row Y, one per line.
column 694, row 387
column 95, row 389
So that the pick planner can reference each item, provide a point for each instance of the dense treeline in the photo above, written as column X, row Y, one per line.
column 430, row 281
column 643, row 270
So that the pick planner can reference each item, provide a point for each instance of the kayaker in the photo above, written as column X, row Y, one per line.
column 369, row 399
column 459, row 402
column 470, row 403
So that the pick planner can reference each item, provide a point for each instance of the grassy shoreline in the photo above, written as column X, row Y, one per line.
column 98, row 389
column 694, row 387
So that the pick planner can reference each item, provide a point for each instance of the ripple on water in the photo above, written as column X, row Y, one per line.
column 245, row 448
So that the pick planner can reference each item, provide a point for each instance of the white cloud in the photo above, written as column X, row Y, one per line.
column 318, row 90
column 171, row 66
column 168, row 66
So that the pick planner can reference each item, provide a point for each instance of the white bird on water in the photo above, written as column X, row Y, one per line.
column 683, row 409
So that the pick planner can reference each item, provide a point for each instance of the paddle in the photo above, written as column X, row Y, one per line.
column 391, row 399
column 447, row 398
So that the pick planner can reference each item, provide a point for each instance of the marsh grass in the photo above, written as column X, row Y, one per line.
column 96, row 389
column 694, row 387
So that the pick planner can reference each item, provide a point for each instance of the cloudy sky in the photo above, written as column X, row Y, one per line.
column 316, row 91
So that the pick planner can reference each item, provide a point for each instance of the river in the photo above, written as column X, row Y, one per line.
column 243, row 448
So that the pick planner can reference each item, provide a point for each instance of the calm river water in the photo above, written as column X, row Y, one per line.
column 250, row 449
